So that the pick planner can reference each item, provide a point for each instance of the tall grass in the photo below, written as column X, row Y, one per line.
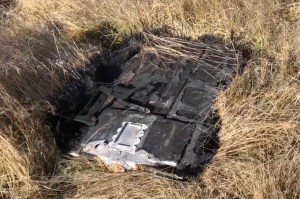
column 259, row 154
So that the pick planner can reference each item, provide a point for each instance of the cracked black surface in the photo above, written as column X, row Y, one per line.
column 177, row 91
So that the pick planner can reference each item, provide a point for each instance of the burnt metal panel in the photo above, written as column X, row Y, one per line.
column 194, row 102
column 159, row 111
column 168, row 139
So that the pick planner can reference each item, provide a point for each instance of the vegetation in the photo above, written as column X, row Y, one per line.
column 43, row 42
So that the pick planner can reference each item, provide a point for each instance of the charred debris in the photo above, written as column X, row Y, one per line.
column 149, row 103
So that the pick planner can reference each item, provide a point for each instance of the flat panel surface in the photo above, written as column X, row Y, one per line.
column 130, row 134
column 167, row 139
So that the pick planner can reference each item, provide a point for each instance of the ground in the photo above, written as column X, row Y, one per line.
column 45, row 42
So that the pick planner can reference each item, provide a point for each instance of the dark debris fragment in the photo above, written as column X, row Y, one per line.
column 153, row 110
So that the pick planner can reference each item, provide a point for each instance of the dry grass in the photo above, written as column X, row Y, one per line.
column 259, row 155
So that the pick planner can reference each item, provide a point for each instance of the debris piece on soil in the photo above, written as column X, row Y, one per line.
column 156, row 110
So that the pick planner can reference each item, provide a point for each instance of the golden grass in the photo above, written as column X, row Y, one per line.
column 259, row 155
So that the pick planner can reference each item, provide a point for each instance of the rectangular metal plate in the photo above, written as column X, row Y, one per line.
column 130, row 134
